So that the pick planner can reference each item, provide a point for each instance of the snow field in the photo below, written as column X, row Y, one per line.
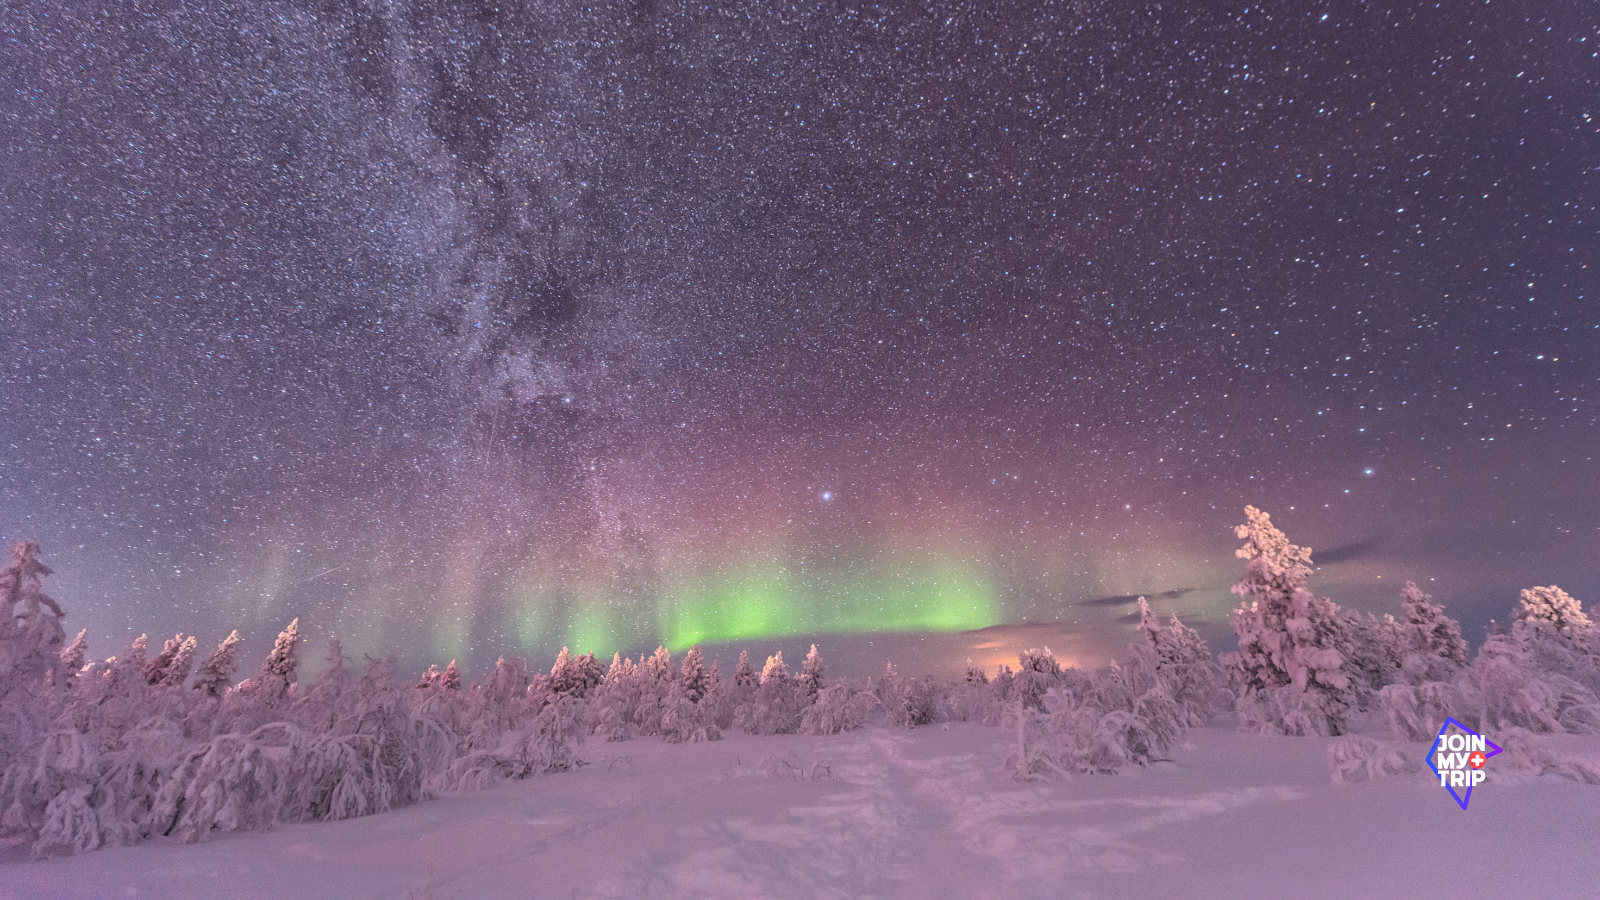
column 890, row 813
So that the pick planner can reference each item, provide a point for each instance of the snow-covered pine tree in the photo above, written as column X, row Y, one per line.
column 692, row 675
column 660, row 668
column 718, row 697
column 1365, row 663
column 1184, row 665
column 75, row 654
column 1431, row 631
column 564, row 677
column 811, row 680
column 216, row 673
column 975, row 673
column 745, row 682
column 611, row 707
column 776, row 670
column 281, row 670
column 1292, row 645
column 451, row 679
column 684, row 719
column 161, row 669
column 31, row 638
column 775, row 706
column 743, row 674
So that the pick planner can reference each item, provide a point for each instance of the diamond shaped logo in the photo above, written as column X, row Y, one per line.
column 1458, row 758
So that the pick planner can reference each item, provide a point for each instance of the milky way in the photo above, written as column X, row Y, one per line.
column 461, row 330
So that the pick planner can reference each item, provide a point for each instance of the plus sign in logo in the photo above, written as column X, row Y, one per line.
column 1458, row 756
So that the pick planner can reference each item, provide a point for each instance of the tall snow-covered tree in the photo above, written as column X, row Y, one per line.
column 1288, row 639
column 660, row 668
column 31, row 642
column 811, row 680
column 31, row 637
column 281, row 670
column 216, row 673
column 743, row 674
column 563, row 675
column 774, row 707
column 1428, row 630
column 775, row 669
column 692, row 675
column 1184, row 665
column 172, row 664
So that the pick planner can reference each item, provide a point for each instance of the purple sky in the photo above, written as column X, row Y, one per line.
column 479, row 331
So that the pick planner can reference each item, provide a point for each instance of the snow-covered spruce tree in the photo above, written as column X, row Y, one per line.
column 575, row 676
column 1183, row 663
column 155, row 671
column 776, row 705
column 31, row 641
column 216, row 673
column 692, row 675
column 719, row 697
column 562, row 681
column 1288, row 674
column 1557, row 636
column 685, row 719
column 660, row 668
column 611, row 707
column 1424, row 644
column 1365, row 662
column 263, row 698
column 1430, row 631
column 689, row 710
column 811, row 680
column 745, row 681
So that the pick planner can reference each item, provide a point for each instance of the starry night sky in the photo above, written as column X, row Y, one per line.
column 938, row 329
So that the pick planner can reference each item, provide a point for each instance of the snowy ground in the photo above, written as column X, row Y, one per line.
column 891, row 813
